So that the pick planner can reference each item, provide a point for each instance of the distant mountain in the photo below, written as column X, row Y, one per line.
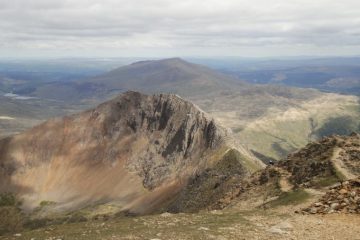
column 285, row 117
column 169, row 75
column 204, row 86
column 161, row 76
column 136, row 151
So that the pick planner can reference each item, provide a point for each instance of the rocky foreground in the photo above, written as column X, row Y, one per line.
column 343, row 197
column 217, row 225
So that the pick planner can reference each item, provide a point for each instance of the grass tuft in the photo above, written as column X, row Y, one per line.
column 290, row 198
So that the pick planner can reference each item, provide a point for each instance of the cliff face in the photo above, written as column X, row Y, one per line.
column 136, row 150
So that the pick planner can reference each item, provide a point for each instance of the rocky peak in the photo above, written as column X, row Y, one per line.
column 130, row 143
column 176, row 129
column 179, row 120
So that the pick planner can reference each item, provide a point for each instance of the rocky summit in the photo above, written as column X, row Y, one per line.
column 137, row 152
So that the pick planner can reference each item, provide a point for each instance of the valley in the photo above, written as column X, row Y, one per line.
column 167, row 149
column 179, row 120
column 286, row 117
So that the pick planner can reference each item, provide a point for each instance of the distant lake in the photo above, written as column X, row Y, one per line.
column 17, row 97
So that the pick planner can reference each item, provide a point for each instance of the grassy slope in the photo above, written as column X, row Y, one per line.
column 180, row 226
column 278, row 133
column 220, row 225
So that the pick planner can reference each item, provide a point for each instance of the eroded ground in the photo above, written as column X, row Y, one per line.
column 258, row 224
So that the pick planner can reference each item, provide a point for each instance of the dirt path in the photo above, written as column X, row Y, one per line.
column 285, row 185
column 340, row 166
column 284, row 182
column 314, row 192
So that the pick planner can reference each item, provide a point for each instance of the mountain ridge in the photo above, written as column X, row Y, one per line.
column 135, row 150
column 247, row 110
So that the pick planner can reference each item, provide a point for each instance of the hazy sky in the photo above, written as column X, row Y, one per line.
column 179, row 28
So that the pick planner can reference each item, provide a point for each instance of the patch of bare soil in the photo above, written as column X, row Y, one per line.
column 223, row 225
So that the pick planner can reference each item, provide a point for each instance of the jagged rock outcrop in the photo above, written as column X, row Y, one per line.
column 137, row 151
column 343, row 197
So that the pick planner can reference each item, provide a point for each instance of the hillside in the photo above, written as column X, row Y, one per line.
column 290, row 199
column 332, row 157
column 285, row 129
column 286, row 118
column 136, row 152
column 310, row 173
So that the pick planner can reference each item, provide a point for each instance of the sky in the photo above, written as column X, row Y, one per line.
column 167, row 28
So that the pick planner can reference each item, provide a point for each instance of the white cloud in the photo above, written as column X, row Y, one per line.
column 162, row 27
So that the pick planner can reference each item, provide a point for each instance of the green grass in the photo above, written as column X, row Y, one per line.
column 335, row 177
column 238, row 129
column 236, row 156
column 325, row 181
column 342, row 125
column 7, row 199
column 179, row 226
column 46, row 203
column 11, row 219
column 290, row 198
column 339, row 175
column 275, row 139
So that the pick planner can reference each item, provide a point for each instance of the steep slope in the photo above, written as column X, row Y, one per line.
column 136, row 151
